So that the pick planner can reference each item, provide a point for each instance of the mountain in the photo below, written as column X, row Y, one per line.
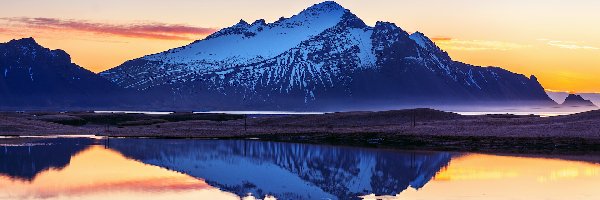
column 575, row 100
column 34, row 76
column 560, row 97
column 325, row 57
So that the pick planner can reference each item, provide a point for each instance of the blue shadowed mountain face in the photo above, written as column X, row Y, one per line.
column 289, row 171
column 32, row 75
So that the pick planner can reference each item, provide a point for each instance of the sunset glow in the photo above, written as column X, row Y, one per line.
column 557, row 41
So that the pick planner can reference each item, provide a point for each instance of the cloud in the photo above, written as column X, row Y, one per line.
column 160, row 31
column 447, row 43
column 569, row 45
column 441, row 39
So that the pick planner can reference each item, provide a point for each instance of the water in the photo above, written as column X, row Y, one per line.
column 521, row 113
column 97, row 168
column 134, row 112
column 262, row 112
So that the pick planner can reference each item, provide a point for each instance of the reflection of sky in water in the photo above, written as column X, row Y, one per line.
column 479, row 176
column 217, row 169
column 99, row 173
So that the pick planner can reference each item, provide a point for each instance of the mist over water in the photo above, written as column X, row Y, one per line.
column 543, row 110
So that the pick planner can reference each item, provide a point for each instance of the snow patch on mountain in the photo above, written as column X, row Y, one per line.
column 365, row 44
column 422, row 40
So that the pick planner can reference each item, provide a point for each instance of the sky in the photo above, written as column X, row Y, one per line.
column 557, row 41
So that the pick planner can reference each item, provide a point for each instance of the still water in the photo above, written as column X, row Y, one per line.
column 92, row 168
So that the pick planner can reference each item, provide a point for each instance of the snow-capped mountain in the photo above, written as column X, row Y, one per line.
column 325, row 57
column 34, row 76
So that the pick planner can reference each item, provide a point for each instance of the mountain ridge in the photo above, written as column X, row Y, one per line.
column 33, row 75
column 323, row 58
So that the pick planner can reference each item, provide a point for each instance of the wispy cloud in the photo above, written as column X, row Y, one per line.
column 160, row 31
column 448, row 43
column 569, row 45
column 438, row 39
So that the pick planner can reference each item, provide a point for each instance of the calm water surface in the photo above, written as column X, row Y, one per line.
column 92, row 168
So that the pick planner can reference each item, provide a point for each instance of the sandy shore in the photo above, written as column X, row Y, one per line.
column 410, row 129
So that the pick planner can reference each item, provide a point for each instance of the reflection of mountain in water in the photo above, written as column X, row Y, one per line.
column 289, row 171
column 26, row 161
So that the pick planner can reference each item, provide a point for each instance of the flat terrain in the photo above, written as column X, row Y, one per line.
column 418, row 128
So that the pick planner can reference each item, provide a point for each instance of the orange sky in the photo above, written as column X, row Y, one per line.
column 555, row 40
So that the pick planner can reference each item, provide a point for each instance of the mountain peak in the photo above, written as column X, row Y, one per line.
column 326, row 6
column 242, row 23
column 575, row 97
column 25, row 42
column 419, row 34
column 533, row 78
column 261, row 22
column 386, row 25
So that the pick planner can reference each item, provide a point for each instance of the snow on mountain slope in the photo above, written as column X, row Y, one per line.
column 316, row 64
column 239, row 44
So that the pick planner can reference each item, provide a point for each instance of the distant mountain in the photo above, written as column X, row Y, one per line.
column 560, row 97
column 325, row 57
column 34, row 76
column 577, row 100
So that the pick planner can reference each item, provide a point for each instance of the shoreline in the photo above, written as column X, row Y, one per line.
column 473, row 144
column 417, row 129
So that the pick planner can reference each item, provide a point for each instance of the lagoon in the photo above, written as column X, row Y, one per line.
column 133, row 168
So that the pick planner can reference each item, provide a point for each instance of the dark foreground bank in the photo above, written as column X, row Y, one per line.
column 424, row 129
